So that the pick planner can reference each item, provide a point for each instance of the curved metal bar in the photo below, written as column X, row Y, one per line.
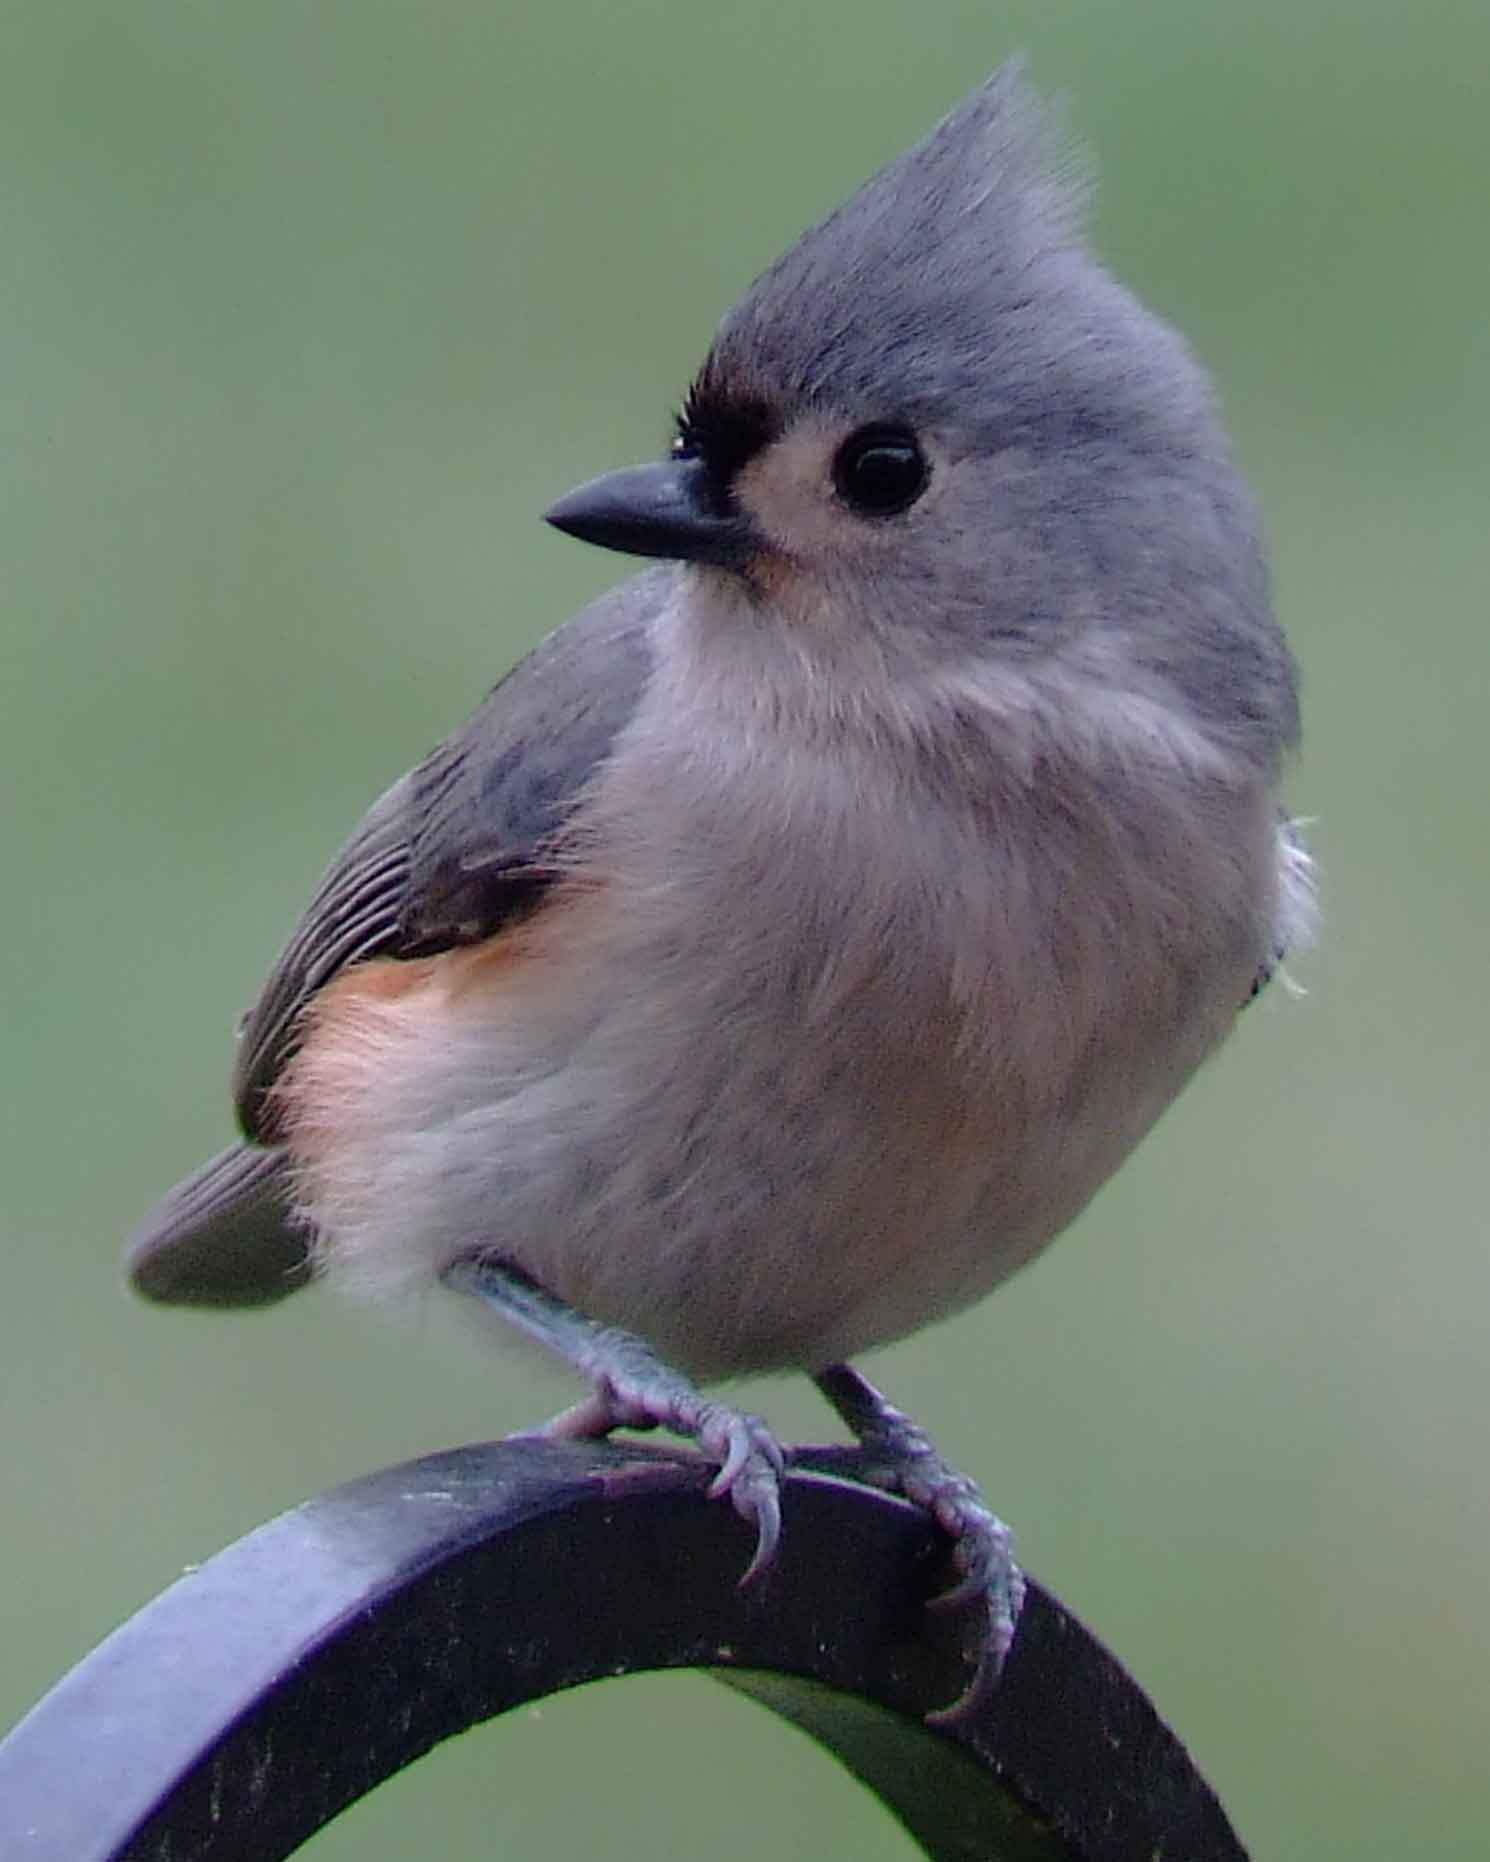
column 259, row 1695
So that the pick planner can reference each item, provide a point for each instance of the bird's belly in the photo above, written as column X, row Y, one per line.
column 746, row 1192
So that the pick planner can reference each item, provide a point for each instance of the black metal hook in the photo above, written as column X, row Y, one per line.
column 261, row 1694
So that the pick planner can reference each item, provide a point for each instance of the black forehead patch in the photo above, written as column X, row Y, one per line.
column 723, row 428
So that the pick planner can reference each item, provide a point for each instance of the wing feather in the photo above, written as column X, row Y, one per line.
column 445, row 857
column 456, row 848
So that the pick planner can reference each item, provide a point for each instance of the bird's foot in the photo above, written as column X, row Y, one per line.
column 631, row 1387
column 634, row 1389
column 900, row 1458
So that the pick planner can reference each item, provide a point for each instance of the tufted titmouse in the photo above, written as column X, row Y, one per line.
column 791, row 946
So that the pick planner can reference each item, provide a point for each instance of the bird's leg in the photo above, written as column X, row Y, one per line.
column 900, row 1457
column 632, row 1388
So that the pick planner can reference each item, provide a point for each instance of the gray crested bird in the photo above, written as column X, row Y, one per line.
column 789, row 948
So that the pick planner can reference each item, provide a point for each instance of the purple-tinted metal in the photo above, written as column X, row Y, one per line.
column 264, row 1692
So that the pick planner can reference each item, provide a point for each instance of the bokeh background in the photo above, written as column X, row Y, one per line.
column 307, row 312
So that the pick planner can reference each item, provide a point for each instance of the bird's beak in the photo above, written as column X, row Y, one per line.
column 671, row 510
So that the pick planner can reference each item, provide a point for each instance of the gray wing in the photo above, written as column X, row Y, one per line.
column 454, row 850
column 458, row 847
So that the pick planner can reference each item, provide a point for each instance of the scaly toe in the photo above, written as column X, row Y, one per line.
column 593, row 1416
column 750, row 1469
column 982, row 1549
column 1004, row 1606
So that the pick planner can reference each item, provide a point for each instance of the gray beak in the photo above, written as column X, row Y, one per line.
column 671, row 509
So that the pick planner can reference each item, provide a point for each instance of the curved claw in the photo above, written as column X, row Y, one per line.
column 751, row 1465
column 734, row 1435
column 632, row 1388
column 750, row 1461
column 1004, row 1606
column 982, row 1548
column 966, row 1590
column 764, row 1507
column 1002, row 1587
column 901, row 1457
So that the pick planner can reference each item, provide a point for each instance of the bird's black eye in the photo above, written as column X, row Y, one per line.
column 880, row 471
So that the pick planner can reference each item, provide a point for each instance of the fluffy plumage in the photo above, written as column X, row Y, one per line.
column 786, row 952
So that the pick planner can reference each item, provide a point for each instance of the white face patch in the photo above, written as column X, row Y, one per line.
column 787, row 488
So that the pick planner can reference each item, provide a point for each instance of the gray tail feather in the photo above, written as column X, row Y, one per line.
column 224, row 1236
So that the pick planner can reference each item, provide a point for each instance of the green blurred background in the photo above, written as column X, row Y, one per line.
column 308, row 310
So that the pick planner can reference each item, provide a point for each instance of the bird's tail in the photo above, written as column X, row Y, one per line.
column 225, row 1236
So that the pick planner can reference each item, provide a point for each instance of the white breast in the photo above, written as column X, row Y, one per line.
column 796, row 1066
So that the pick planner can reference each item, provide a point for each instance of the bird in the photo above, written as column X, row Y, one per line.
column 788, row 948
